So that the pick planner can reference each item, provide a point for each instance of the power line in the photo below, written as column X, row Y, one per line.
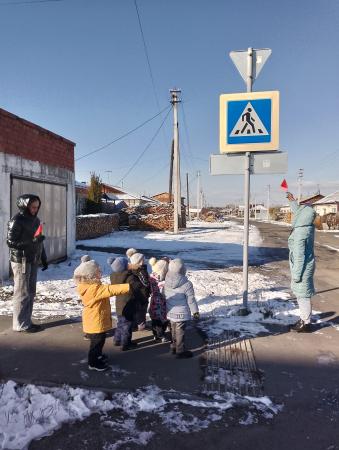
column 145, row 149
column 156, row 174
column 29, row 2
column 123, row 135
column 189, row 149
column 147, row 54
column 148, row 62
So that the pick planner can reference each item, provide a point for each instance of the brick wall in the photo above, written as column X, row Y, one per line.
column 22, row 138
column 153, row 217
column 95, row 225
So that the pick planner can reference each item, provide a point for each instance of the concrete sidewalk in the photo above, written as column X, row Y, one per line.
column 58, row 355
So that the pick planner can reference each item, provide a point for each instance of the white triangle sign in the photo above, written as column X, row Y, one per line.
column 249, row 124
column 240, row 57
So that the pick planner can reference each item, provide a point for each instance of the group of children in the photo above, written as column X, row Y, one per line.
column 166, row 293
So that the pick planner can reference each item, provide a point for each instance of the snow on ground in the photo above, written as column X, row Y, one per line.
column 31, row 412
column 201, row 244
column 219, row 296
column 218, row 291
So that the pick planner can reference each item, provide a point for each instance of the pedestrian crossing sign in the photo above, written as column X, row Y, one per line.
column 249, row 122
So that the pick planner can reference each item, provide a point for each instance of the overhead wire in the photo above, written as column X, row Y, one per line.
column 189, row 149
column 156, row 174
column 146, row 54
column 124, row 135
column 29, row 2
column 145, row 149
column 148, row 60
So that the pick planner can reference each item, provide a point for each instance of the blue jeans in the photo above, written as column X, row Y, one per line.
column 123, row 332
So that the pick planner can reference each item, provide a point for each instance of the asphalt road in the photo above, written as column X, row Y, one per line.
column 300, row 374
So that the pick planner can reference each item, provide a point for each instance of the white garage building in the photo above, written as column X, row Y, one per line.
column 34, row 160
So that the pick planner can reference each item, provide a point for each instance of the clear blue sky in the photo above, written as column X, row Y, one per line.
column 78, row 67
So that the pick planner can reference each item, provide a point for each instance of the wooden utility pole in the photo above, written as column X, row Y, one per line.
column 176, row 161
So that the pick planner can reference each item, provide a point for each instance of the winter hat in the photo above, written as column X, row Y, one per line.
column 118, row 264
column 87, row 269
column 159, row 267
column 130, row 252
column 137, row 259
column 177, row 266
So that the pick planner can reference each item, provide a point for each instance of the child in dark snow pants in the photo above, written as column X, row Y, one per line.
column 181, row 304
column 125, row 305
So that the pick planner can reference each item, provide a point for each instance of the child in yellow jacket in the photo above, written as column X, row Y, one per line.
column 96, row 316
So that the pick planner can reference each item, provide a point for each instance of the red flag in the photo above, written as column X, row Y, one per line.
column 38, row 231
column 284, row 185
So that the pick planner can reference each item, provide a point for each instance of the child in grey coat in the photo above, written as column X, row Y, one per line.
column 181, row 303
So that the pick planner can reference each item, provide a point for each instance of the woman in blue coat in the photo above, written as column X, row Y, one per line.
column 302, row 262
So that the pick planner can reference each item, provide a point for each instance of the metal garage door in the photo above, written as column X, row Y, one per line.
column 53, row 212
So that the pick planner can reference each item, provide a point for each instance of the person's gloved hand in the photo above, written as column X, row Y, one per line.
column 44, row 266
column 38, row 239
column 196, row 316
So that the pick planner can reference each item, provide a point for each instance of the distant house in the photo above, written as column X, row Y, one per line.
column 254, row 210
column 258, row 212
column 164, row 197
column 81, row 193
column 241, row 211
column 116, row 194
column 286, row 209
column 311, row 200
column 112, row 195
column 328, row 204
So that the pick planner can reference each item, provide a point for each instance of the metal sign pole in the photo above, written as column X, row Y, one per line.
column 247, row 178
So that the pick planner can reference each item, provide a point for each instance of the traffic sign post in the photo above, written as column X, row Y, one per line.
column 259, row 57
column 249, row 122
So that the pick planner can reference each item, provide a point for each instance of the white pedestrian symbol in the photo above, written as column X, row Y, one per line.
column 249, row 124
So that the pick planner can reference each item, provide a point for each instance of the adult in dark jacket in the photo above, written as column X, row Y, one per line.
column 25, row 241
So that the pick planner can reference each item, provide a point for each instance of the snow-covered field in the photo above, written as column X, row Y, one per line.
column 28, row 412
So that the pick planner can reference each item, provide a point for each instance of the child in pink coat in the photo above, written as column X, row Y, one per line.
column 157, row 308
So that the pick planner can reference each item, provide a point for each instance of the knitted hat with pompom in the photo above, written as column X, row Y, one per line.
column 177, row 266
column 118, row 264
column 88, row 269
column 159, row 267
column 130, row 252
column 138, row 259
